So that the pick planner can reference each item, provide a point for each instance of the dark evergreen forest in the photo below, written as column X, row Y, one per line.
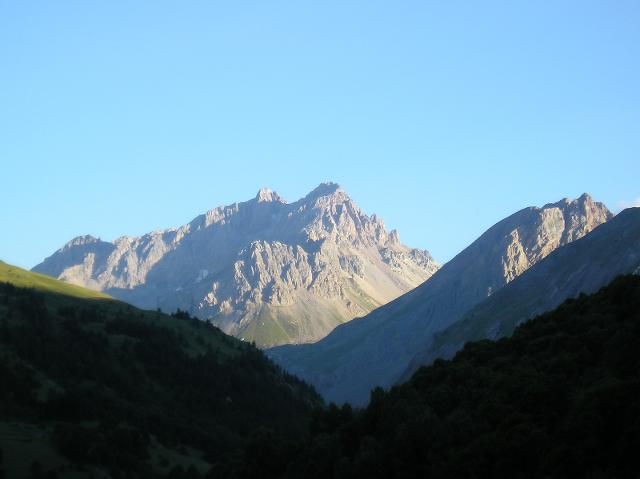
column 110, row 386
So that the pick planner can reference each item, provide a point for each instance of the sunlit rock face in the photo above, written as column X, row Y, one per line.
column 264, row 270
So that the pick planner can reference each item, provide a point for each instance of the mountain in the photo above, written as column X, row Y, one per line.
column 558, row 399
column 92, row 387
column 377, row 349
column 583, row 266
column 263, row 270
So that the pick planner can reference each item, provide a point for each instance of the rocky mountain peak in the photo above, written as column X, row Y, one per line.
column 326, row 190
column 584, row 201
column 531, row 234
column 80, row 241
column 394, row 237
column 263, row 270
column 266, row 195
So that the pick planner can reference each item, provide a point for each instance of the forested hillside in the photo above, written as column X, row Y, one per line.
column 561, row 398
column 96, row 388
column 97, row 385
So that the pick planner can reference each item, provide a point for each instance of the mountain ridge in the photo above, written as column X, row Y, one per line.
column 263, row 270
column 581, row 267
column 376, row 349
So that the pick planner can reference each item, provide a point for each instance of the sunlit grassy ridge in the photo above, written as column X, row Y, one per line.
column 27, row 279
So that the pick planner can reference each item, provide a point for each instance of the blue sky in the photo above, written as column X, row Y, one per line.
column 442, row 117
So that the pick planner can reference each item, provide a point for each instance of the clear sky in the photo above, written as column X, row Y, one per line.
column 120, row 117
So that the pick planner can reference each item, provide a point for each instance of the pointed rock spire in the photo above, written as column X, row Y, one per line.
column 266, row 195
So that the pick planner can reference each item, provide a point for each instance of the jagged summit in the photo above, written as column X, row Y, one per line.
column 84, row 241
column 266, row 195
column 81, row 240
column 264, row 269
column 324, row 189
column 583, row 199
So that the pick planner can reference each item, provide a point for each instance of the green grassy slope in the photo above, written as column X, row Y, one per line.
column 26, row 279
column 95, row 387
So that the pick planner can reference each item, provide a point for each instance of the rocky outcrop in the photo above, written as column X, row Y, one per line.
column 583, row 266
column 263, row 270
column 377, row 349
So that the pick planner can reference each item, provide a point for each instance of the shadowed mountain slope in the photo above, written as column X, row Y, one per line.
column 377, row 349
column 583, row 266
column 558, row 399
column 92, row 385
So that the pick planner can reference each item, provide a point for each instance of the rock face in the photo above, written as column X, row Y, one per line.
column 377, row 349
column 580, row 267
column 262, row 270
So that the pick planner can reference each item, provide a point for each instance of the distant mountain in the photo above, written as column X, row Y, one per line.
column 93, row 387
column 583, row 266
column 262, row 270
column 377, row 349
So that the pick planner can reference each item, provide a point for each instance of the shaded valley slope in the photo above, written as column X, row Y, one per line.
column 92, row 385
column 583, row 266
column 558, row 399
column 377, row 349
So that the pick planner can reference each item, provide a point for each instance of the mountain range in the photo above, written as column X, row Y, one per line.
column 263, row 270
column 286, row 275
column 378, row 349
column 581, row 267
column 94, row 387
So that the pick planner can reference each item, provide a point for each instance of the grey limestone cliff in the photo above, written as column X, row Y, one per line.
column 583, row 266
column 263, row 270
